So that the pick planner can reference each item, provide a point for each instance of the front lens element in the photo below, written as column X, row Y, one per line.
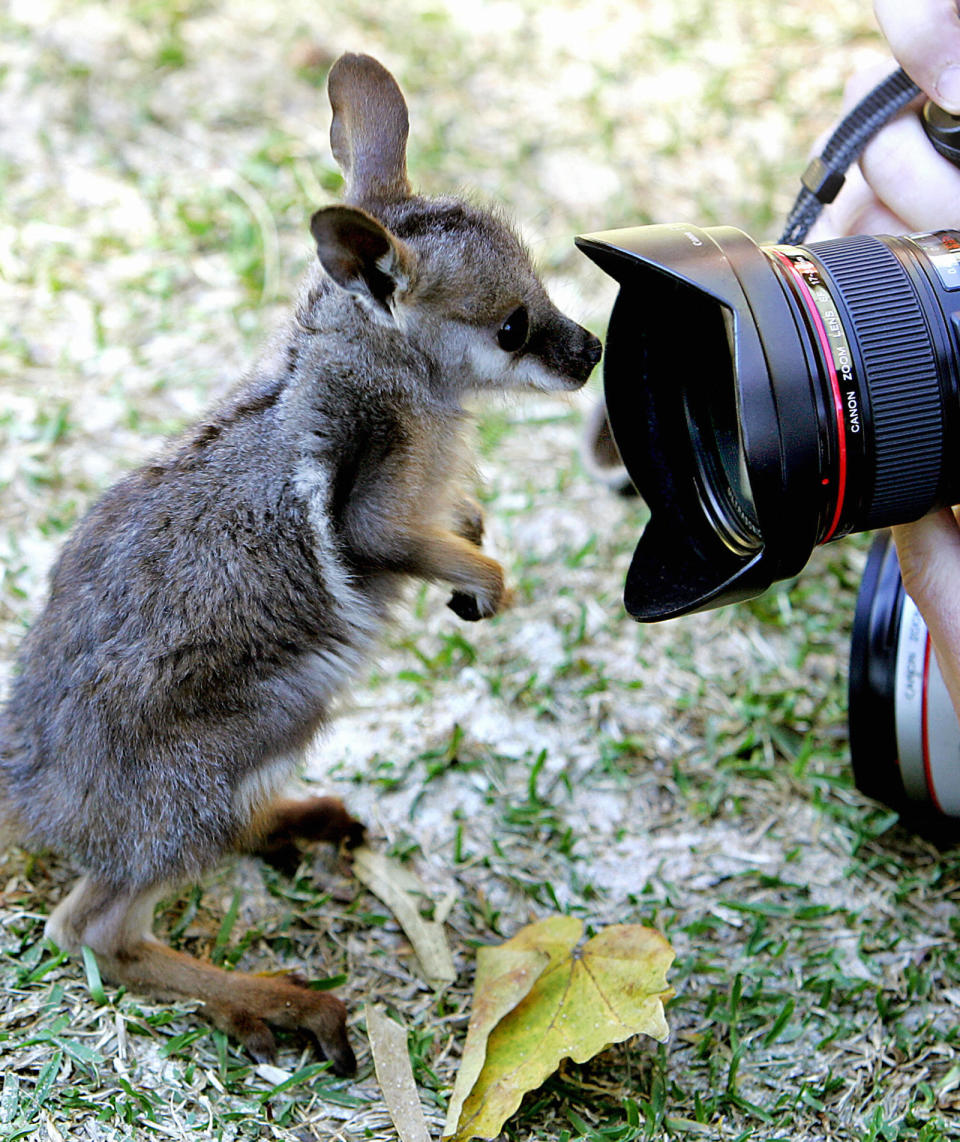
column 713, row 421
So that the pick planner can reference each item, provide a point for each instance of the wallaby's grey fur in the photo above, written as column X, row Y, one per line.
column 206, row 611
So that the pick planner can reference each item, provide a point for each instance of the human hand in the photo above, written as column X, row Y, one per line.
column 919, row 190
column 906, row 185
column 929, row 555
column 901, row 184
column 925, row 38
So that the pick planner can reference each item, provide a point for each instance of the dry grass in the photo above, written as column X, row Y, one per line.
column 158, row 162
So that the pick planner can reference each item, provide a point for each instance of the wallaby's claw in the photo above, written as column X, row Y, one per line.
column 470, row 523
column 293, row 1005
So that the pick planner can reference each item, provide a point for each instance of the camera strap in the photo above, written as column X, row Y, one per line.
column 826, row 173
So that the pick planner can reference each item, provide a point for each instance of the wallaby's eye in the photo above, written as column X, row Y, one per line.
column 512, row 334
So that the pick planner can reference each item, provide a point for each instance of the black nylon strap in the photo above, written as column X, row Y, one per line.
column 824, row 177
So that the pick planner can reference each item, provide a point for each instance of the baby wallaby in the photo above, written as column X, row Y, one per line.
column 204, row 614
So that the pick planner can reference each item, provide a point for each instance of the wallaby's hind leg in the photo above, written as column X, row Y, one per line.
column 115, row 925
column 285, row 820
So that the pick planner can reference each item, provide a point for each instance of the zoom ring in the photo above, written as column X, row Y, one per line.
column 902, row 389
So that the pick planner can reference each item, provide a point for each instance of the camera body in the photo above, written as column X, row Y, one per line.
column 766, row 399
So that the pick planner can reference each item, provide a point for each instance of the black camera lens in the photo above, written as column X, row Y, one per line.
column 904, row 734
column 766, row 399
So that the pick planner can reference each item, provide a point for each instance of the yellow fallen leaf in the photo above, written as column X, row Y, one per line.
column 504, row 976
column 584, row 1000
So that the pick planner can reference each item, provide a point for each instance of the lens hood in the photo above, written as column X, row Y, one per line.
column 695, row 336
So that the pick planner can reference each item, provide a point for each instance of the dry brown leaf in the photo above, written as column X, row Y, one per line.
column 400, row 890
column 391, row 1061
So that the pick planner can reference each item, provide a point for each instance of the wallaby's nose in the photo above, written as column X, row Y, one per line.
column 568, row 350
column 592, row 350
column 584, row 360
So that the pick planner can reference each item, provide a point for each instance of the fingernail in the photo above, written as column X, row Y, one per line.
column 948, row 89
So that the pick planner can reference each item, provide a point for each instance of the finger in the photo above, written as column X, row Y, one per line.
column 875, row 218
column 908, row 176
column 924, row 35
column 929, row 555
column 857, row 210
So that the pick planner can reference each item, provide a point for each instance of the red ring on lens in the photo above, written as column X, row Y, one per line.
column 931, row 789
column 814, row 315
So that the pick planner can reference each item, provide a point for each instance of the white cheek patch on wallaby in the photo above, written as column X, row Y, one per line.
column 490, row 365
column 529, row 372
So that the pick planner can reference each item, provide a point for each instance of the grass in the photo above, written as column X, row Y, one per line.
column 157, row 167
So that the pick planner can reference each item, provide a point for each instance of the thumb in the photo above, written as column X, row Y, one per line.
column 924, row 35
column 929, row 555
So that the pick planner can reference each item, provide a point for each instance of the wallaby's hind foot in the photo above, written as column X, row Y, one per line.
column 245, row 1006
column 116, row 927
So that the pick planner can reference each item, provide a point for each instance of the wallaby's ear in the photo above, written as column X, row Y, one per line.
column 361, row 255
column 369, row 130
